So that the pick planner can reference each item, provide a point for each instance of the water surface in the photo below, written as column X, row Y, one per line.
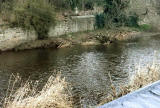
column 86, row 68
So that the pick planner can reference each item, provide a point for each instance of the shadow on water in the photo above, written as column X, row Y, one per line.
column 86, row 68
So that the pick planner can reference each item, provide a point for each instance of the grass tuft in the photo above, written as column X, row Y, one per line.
column 53, row 95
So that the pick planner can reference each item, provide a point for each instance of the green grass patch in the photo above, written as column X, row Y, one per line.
column 145, row 27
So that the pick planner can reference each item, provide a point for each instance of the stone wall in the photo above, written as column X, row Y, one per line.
column 73, row 24
column 12, row 37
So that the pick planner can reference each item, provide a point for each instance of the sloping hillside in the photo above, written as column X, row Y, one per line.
column 148, row 11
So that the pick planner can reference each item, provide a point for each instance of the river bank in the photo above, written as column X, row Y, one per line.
column 96, row 37
column 80, row 38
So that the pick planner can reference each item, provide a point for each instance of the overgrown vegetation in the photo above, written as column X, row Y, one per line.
column 68, row 4
column 100, row 21
column 132, row 21
column 35, row 15
column 72, row 4
column 39, row 15
column 55, row 94
column 114, row 15
column 114, row 11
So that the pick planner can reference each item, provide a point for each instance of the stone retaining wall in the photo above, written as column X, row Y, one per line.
column 12, row 37
column 73, row 24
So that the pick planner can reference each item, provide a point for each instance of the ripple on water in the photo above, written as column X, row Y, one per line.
column 85, row 68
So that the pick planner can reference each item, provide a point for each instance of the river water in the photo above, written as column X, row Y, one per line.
column 86, row 68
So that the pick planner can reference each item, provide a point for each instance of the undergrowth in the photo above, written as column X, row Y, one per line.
column 37, row 15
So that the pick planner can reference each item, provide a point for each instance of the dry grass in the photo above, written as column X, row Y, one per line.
column 53, row 95
column 143, row 77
